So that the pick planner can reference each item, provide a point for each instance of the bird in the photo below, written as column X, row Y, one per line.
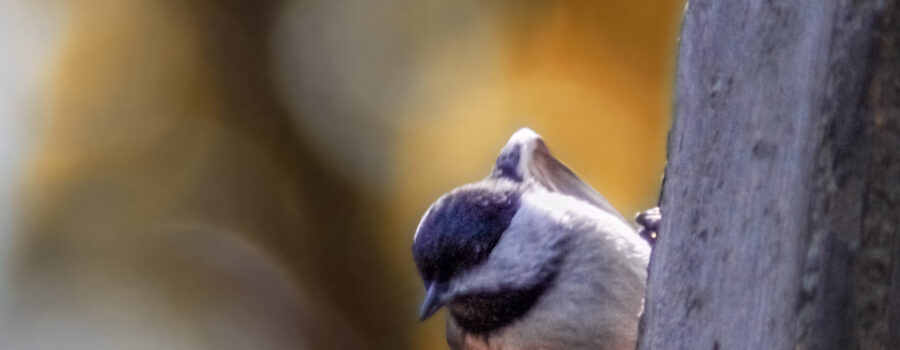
column 531, row 257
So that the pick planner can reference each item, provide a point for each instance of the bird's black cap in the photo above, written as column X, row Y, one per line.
column 461, row 228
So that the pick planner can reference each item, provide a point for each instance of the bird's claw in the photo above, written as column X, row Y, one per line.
column 648, row 222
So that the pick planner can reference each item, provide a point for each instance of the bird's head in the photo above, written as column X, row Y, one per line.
column 458, row 234
column 483, row 252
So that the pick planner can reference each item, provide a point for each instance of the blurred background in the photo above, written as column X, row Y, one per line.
column 202, row 174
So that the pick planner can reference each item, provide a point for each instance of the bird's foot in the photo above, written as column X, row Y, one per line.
column 649, row 220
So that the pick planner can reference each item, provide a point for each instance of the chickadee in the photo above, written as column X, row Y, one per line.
column 531, row 258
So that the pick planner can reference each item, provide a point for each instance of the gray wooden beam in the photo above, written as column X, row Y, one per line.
column 781, row 204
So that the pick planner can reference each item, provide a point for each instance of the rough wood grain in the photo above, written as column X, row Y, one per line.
column 781, row 203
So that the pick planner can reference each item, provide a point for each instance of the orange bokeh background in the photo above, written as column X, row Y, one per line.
column 177, row 163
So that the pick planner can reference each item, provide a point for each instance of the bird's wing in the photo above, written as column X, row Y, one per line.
column 527, row 158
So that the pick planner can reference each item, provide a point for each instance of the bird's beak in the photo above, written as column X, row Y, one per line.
column 434, row 299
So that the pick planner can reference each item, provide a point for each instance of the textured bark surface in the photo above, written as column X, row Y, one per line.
column 781, row 203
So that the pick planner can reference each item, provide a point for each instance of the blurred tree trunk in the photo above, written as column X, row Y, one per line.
column 781, row 203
